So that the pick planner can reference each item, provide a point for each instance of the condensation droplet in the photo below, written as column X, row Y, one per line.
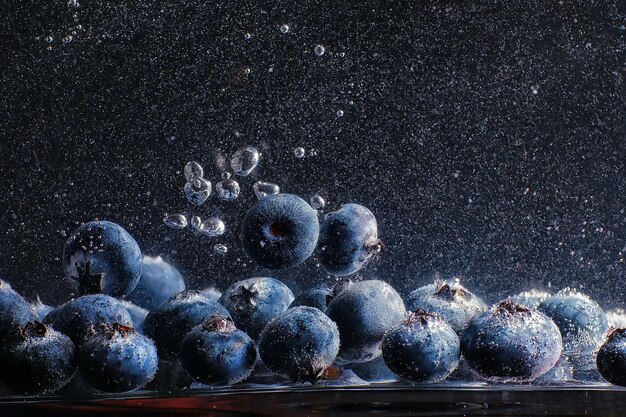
column 196, row 222
column 197, row 190
column 299, row 152
column 319, row 50
column 212, row 227
column 317, row 202
column 284, row 28
column 228, row 190
column 263, row 189
column 176, row 221
column 245, row 160
column 220, row 249
column 193, row 170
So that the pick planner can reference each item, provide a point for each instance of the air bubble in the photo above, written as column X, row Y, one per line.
column 299, row 152
column 196, row 222
column 319, row 50
column 339, row 113
column 67, row 39
column 220, row 249
column 213, row 227
column 225, row 175
column 317, row 202
column 228, row 190
column 49, row 39
column 193, row 170
column 176, row 221
column 263, row 189
column 284, row 28
column 197, row 190
column 247, row 36
column 245, row 160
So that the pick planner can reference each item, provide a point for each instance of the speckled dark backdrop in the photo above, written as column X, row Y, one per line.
column 488, row 137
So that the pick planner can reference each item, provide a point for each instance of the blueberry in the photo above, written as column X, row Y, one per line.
column 531, row 298
column 581, row 320
column 348, row 239
column 215, row 352
column 14, row 311
column 39, row 359
column 280, row 231
column 314, row 297
column 79, row 317
column 137, row 314
column 300, row 343
column 453, row 302
column 364, row 312
column 511, row 342
column 423, row 349
column 102, row 257
column 41, row 310
column 117, row 359
column 168, row 325
column 211, row 293
column 159, row 281
column 253, row 302
column 611, row 358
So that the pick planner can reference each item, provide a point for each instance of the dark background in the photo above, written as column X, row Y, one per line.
column 487, row 137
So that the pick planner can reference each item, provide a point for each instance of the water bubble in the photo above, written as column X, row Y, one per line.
column 197, row 190
column 67, row 39
column 212, row 227
column 73, row 3
column 193, row 170
column 263, row 189
column 319, row 50
column 226, row 175
column 299, row 152
column 247, row 36
column 228, row 190
column 317, row 202
column 220, row 249
column 196, row 222
column 245, row 160
column 49, row 39
column 339, row 113
column 79, row 27
column 176, row 221
column 284, row 28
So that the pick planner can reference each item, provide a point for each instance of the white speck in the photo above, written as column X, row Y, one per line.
column 247, row 36
column 319, row 50
column 339, row 113
column 534, row 90
column 284, row 28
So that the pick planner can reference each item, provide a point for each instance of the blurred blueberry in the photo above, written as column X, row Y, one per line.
column 215, row 352
column 423, row 349
column 159, row 281
column 611, row 358
column 14, row 311
column 253, row 302
column 102, row 257
column 314, row 297
column 531, row 298
column 348, row 239
column 511, row 342
column 364, row 312
column 137, row 314
column 300, row 343
column 280, row 231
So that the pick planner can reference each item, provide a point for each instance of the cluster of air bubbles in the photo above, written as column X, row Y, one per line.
column 319, row 50
column 299, row 152
column 245, row 160
column 317, row 202
column 263, row 189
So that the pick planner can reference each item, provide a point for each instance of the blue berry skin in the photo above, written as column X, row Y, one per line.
column 79, row 317
column 280, row 231
column 531, row 298
column 137, row 314
column 215, row 352
column 453, row 302
column 300, row 343
column 348, row 240
column 254, row 302
column 511, row 342
column 364, row 312
column 611, row 357
column 102, row 257
column 168, row 325
column 581, row 320
column 211, row 293
column 39, row 360
column 159, row 281
column 118, row 359
column 14, row 311
column 315, row 297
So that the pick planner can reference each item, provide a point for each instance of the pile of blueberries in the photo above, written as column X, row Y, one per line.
column 134, row 319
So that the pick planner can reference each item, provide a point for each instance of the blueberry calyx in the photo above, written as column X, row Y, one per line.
column 88, row 283
column 311, row 374
column 219, row 324
column 419, row 315
column 114, row 329
column 447, row 293
column 277, row 230
column 31, row 329
column 512, row 308
column 244, row 297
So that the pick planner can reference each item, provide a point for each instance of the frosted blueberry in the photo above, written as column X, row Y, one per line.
column 263, row 189
column 245, row 160
column 197, row 190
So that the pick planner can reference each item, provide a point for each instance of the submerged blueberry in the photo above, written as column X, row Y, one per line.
column 38, row 360
column 314, row 297
column 300, row 343
column 169, row 324
column 79, row 317
column 159, row 281
column 211, row 293
column 118, row 359
column 364, row 312
column 453, row 302
column 102, row 256
column 348, row 239
column 581, row 320
column 215, row 352
column 137, row 314
column 280, row 231
column 14, row 311
column 511, row 342
column 611, row 358
column 253, row 302
column 423, row 349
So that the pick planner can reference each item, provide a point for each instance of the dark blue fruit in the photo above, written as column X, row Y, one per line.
column 168, row 325
column 102, row 257
column 14, row 311
column 280, row 231
column 348, row 239
column 364, row 312
column 611, row 358
column 159, row 281
column 79, row 317
column 315, row 297
column 581, row 320
column 453, row 302
column 215, row 352
column 118, row 359
column 300, row 343
column 511, row 342
column 137, row 314
column 253, row 302
column 531, row 298
column 39, row 359
column 423, row 349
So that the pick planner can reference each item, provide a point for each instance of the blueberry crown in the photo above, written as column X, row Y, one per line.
column 421, row 316
column 30, row 329
column 447, row 293
column 111, row 330
column 219, row 324
column 511, row 307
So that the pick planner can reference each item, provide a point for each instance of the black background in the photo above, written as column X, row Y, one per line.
column 486, row 136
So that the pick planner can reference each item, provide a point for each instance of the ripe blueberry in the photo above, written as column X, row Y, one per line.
column 611, row 358
column 14, row 311
column 314, row 297
column 159, row 281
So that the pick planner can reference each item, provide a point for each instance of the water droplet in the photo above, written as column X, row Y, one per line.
column 212, row 227
column 196, row 222
column 317, row 202
column 49, row 39
column 284, row 28
column 339, row 113
column 73, row 3
column 193, row 170
column 68, row 39
column 79, row 27
column 228, row 190
column 176, row 221
column 299, row 152
column 245, row 160
column 263, row 189
column 247, row 36
column 342, row 54
column 197, row 190
column 220, row 249
column 319, row 50
column 225, row 175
